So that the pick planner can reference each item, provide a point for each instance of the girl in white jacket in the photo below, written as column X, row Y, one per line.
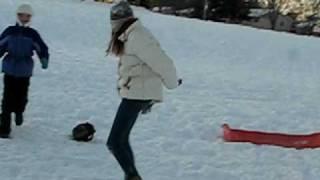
column 143, row 70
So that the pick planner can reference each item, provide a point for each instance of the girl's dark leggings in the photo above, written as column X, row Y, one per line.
column 118, row 141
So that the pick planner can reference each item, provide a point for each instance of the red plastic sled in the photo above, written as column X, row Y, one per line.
column 275, row 139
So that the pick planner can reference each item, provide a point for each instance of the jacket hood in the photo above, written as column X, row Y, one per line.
column 19, row 23
column 124, row 36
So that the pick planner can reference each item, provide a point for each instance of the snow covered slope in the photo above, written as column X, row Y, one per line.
column 249, row 78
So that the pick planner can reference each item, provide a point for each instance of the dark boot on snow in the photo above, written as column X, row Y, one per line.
column 19, row 119
column 133, row 178
column 5, row 126
column 4, row 134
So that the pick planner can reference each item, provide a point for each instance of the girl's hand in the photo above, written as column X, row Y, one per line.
column 180, row 81
column 148, row 108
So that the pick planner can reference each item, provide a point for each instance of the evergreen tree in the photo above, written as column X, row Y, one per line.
column 233, row 10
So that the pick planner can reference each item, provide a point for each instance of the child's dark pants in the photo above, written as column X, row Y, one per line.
column 15, row 98
column 118, row 141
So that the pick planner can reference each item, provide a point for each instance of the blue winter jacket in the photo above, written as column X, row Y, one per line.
column 18, row 44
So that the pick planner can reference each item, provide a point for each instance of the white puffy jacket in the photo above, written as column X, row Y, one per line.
column 144, row 67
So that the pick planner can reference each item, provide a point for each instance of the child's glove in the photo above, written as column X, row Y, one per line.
column 44, row 63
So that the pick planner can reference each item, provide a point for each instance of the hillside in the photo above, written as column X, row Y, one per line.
column 247, row 77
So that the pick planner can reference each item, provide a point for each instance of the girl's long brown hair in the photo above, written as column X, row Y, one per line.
column 116, row 46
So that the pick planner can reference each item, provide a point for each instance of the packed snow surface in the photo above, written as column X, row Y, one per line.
column 250, row 78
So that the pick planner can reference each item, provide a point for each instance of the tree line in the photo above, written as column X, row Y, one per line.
column 236, row 10
column 218, row 10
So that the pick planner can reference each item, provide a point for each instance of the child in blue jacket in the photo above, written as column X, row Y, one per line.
column 17, row 45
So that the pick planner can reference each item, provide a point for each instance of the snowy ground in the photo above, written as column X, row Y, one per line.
column 249, row 78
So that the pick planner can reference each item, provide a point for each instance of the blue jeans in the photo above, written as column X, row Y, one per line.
column 118, row 141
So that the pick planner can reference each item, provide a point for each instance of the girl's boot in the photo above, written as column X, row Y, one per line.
column 133, row 178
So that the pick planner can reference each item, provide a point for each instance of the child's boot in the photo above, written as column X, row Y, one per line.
column 5, row 125
column 19, row 119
